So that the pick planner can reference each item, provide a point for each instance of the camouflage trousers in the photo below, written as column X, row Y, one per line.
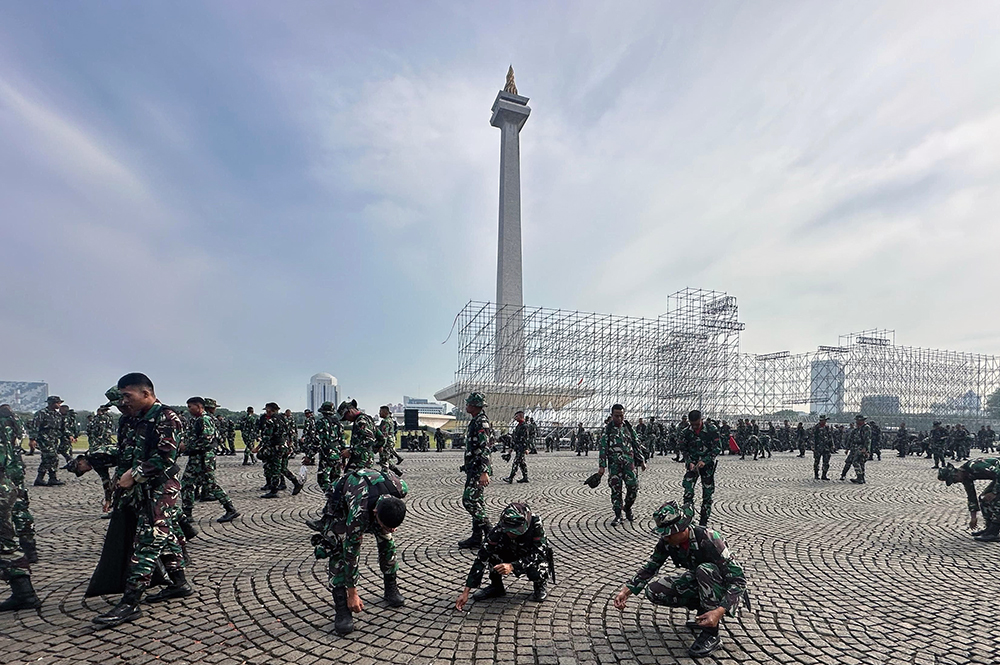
column 700, row 589
column 707, row 475
column 991, row 509
column 200, row 472
column 473, row 500
column 24, row 523
column 50, row 458
column 248, row 446
column 337, row 570
column 156, row 534
column 938, row 452
column 275, row 466
column 66, row 448
column 12, row 560
column 824, row 456
column 328, row 468
column 856, row 459
column 618, row 475
column 519, row 463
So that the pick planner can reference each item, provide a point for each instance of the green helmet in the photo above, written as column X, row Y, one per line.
column 947, row 474
column 515, row 519
column 476, row 399
column 114, row 396
column 211, row 403
column 671, row 518
column 326, row 407
column 346, row 406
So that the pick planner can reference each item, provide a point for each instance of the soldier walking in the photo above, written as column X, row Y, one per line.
column 477, row 468
column 859, row 441
column 330, row 443
column 619, row 453
column 366, row 439
column 250, row 433
column 198, row 445
column 822, row 447
column 701, row 446
column 520, row 447
column 939, row 440
column 46, row 430
column 273, row 449
column 388, row 427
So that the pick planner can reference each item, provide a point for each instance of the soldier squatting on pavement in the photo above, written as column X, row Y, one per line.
column 515, row 546
column 982, row 468
column 478, row 442
column 713, row 583
column 619, row 455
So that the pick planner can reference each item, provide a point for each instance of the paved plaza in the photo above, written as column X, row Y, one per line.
column 838, row 574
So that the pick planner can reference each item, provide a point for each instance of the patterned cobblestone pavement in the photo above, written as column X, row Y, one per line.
column 884, row 573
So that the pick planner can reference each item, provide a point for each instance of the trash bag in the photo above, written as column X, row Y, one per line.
column 112, row 568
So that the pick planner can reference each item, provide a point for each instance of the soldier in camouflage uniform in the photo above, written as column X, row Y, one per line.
column 309, row 439
column 291, row 443
column 701, row 446
column 273, row 451
column 822, row 447
column 477, row 468
column 876, row 441
column 329, row 444
column 16, row 553
column 939, row 440
column 248, row 430
column 46, row 430
column 198, row 445
column 151, row 434
column 982, row 468
column 366, row 439
column 69, row 434
column 515, row 546
column 619, row 453
column 101, row 455
column 363, row 501
column 388, row 427
column 519, row 444
column 713, row 583
column 859, row 442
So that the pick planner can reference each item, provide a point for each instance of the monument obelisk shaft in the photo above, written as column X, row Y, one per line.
column 510, row 111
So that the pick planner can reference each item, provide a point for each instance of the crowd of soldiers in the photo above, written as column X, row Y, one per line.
column 143, row 486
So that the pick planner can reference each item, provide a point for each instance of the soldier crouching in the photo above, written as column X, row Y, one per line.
column 516, row 545
column 713, row 582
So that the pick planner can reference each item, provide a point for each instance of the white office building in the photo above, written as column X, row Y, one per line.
column 322, row 388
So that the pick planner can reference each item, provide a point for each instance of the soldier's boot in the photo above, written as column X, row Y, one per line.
column 706, row 642
column 509, row 479
column 282, row 485
column 296, row 486
column 525, row 478
column 178, row 588
column 492, row 590
column 824, row 477
column 40, row 480
column 541, row 592
column 703, row 516
column 126, row 610
column 618, row 517
column 187, row 527
column 991, row 534
column 628, row 514
column 29, row 548
column 475, row 540
column 816, row 474
column 53, row 481
column 231, row 513
column 860, row 480
column 392, row 596
column 343, row 623
column 22, row 595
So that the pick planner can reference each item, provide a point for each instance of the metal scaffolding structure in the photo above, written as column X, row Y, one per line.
column 577, row 364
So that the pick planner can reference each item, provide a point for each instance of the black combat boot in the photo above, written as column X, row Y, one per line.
column 282, row 485
column 540, row 593
column 30, row 549
column 816, row 475
column 296, row 486
column 178, row 588
column 343, row 623
column 628, row 514
column 231, row 513
column 492, row 590
column 22, row 595
column 272, row 492
column 392, row 596
column 991, row 534
column 473, row 541
column 703, row 517
column 53, row 481
column 187, row 528
column 618, row 517
column 126, row 610
column 524, row 479
column 509, row 479
column 707, row 642
column 40, row 479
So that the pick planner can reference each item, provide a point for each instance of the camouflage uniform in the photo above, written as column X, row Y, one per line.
column 329, row 443
column 704, row 446
column 273, row 451
column 309, row 438
column 199, row 439
column 70, row 432
column 983, row 468
column 478, row 443
column 17, row 527
column 101, row 449
column 939, row 440
column 248, row 430
column 859, row 442
column 822, row 449
column 519, row 444
column 387, row 451
column 527, row 552
column 366, row 441
column 46, row 429
column 619, row 452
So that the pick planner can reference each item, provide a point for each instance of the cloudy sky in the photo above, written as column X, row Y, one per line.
column 232, row 196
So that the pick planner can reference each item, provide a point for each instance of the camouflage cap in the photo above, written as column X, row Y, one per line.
column 53, row 399
column 114, row 396
column 823, row 417
column 936, row 423
column 346, row 406
column 515, row 519
column 860, row 416
column 671, row 518
column 947, row 474
column 326, row 407
column 211, row 403
column 476, row 399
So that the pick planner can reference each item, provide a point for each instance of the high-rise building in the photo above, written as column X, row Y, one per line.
column 322, row 388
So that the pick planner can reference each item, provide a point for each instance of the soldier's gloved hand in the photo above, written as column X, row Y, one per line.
column 354, row 603
column 503, row 569
column 621, row 598
column 463, row 598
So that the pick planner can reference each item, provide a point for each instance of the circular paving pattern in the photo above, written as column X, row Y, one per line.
column 881, row 573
